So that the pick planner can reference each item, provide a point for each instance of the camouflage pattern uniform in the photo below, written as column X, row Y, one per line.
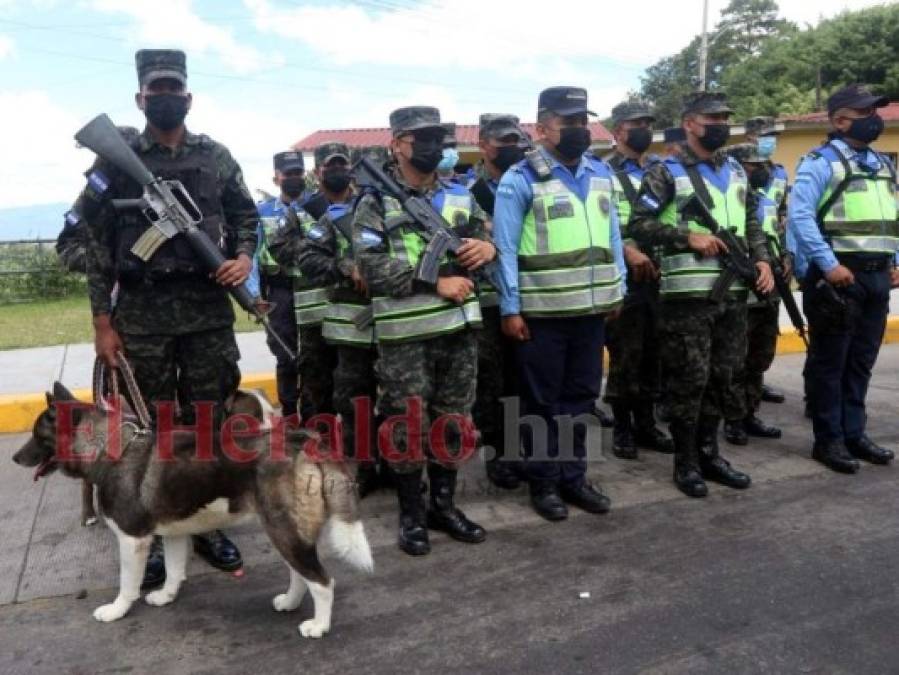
column 431, row 359
column 71, row 244
column 175, row 322
column 702, row 344
column 326, row 259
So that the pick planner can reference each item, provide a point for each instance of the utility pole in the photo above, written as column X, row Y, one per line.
column 704, row 45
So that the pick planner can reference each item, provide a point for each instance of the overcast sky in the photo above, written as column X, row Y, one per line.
column 265, row 73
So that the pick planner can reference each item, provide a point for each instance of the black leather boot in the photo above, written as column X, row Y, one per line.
column 771, row 395
column 219, row 551
column 834, row 455
column 735, row 432
column 154, row 571
column 443, row 514
column 646, row 433
column 714, row 467
column 686, row 460
column 866, row 449
column 413, row 535
column 501, row 471
column 623, row 445
column 756, row 427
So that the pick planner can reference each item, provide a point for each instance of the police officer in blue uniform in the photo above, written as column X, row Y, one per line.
column 562, row 271
column 270, row 279
column 842, row 225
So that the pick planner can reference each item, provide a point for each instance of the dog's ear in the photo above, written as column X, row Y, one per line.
column 49, row 399
column 60, row 393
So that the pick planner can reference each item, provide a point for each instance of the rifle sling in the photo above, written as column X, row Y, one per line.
column 700, row 188
column 626, row 186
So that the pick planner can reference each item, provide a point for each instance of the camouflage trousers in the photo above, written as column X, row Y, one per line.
column 632, row 341
column 316, row 363
column 496, row 374
column 355, row 379
column 284, row 323
column 745, row 393
column 702, row 346
column 186, row 368
column 440, row 375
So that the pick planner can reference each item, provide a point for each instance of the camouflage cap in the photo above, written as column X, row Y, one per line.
column 746, row 153
column 291, row 160
column 631, row 110
column 674, row 135
column 156, row 64
column 706, row 103
column 376, row 153
column 498, row 125
column 325, row 152
column 760, row 126
column 413, row 118
column 450, row 138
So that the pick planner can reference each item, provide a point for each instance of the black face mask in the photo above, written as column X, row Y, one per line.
column 293, row 186
column 573, row 142
column 715, row 136
column 166, row 111
column 336, row 180
column 426, row 155
column 867, row 129
column 758, row 178
column 639, row 138
column 506, row 156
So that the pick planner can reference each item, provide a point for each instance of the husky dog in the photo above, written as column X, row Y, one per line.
column 182, row 489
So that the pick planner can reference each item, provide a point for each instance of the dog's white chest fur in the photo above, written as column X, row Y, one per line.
column 213, row 516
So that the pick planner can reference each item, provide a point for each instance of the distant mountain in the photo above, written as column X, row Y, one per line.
column 38, row 221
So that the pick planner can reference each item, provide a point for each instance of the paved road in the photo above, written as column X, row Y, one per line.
column 796, row 575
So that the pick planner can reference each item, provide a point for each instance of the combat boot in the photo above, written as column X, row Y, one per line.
column 686, row 460
column 756, row 427
column 501, row 471
column 646, row 433
column 413, row 535
column 623, row 445
column 714, row 467
column 771, row 395
column 834, row 455
column 443, row 514
column 735, row 432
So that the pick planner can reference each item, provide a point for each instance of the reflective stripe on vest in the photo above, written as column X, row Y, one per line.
column 488, row 295
column 338, row 326
column 565, row 262
column 684, row 275
column 863, row 217
column 423, row 315
column 309, row 306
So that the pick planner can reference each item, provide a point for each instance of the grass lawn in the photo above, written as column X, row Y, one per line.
column 56, row 322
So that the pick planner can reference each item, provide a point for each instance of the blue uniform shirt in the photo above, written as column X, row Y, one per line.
column 513, row 201
column 804, row 238
column 270, row 208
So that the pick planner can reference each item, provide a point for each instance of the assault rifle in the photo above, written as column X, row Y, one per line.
column 169, row 208
column 737, row 263
column 782, row 284
column 441, row 239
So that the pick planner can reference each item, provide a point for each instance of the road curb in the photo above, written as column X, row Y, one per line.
column 18, row 411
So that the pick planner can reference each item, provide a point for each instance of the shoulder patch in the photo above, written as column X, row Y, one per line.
column 316, row 233
column 650, row 202
column 72, row 218
column 369, row 238
column 98, row 182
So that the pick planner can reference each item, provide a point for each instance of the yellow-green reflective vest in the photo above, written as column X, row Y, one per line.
column 423, row 315
column 338, row 326
column 863, row 217
column 623, row 203
column 777, row 188
column 687, row 275
column 566, row 266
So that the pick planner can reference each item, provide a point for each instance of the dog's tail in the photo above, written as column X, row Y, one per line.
column 343, row 533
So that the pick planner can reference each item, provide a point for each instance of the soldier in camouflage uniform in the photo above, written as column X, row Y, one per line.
column 702, row 343
column 501, row 143
column 326, row 259
column 631, row 337
column 745, row 394
column 71, row 244
column 172, row 321
column 278, row 273
column 427, row 350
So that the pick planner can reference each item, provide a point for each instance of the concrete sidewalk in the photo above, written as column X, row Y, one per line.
column 796, row 574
